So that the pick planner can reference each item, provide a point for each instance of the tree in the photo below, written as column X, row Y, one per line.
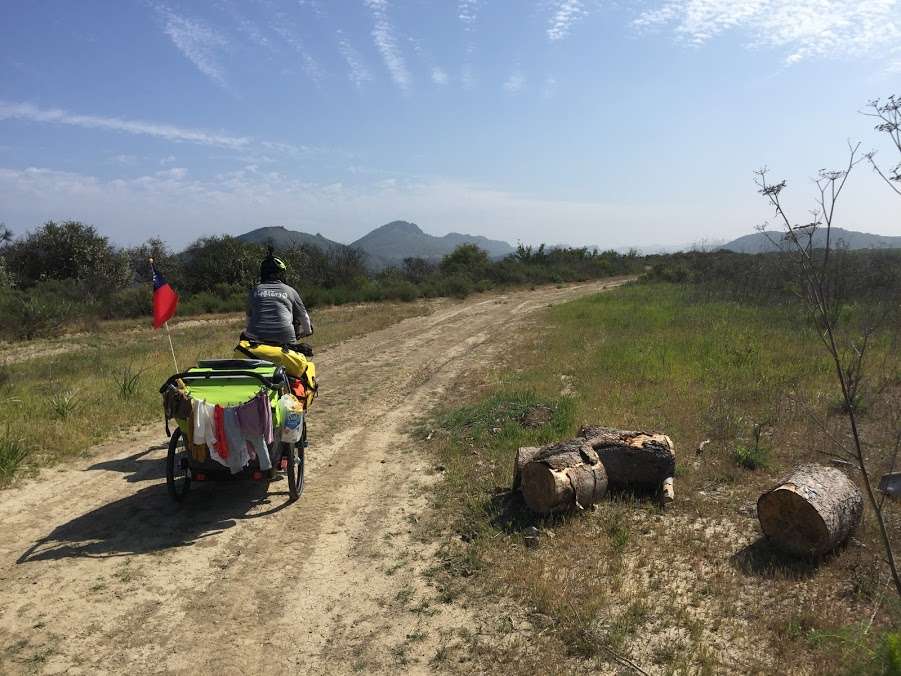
column 155, row 248
column 221, row 260
column 6, row 236
column 68, row 251
column 467, row 260
column 418, row 270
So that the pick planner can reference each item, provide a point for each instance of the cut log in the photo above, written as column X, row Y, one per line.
column 667, row 493
column 630, row 458
column 563, row 477
column 811, row 511
column 523, row 455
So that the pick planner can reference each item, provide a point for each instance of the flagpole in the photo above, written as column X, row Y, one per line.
column 166, row 324
column 171, row 349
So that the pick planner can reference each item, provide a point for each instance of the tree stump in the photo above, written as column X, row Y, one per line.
column 633, row 458
column 811, row 511
column 523, row 455
column 562, row 477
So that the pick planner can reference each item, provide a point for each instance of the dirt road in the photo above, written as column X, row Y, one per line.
column 101, row 573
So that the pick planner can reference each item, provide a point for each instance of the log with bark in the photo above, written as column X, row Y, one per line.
column 633, row 458
column 811, row 511
column 561, row 477
column 523, row 455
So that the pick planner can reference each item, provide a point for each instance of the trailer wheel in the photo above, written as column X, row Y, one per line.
column 178, row 474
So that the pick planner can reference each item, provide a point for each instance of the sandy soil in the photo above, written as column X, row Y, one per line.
column 100, row 572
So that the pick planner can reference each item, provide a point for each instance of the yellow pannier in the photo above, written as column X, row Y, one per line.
column 296, row 364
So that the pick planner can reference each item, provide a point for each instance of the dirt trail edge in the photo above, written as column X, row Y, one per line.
column 101, row 573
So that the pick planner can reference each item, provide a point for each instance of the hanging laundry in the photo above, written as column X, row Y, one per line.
column 238, row 457
column 205, row 431
column 197, row 451
column 252, row 418
column 222, row 447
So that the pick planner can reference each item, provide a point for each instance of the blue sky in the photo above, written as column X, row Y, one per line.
column 576, row 121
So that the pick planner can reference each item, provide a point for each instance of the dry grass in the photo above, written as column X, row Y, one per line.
column 61, row 404
column 693, row 589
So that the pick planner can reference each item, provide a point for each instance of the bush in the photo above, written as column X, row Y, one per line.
column 135, row 301
column 68, row 251
column 890, row 653
column 41, row 311
column 67, row 271
column 12, row 454
column 458, row 286
column 751, row 457
column 401, row 290
column 126, row 383
column 206, row 302
column 6, row 279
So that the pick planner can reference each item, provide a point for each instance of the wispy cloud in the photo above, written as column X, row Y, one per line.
column 198, row 42
column 549, row 88
column 565, row 13
column 439, row 76
column 249, row 28
column 467, row 76
column 179, row 206
column 468, row 12
column 383, row 35
column 805, row 28
column 289, row 33
column 124, row 159
column 27, row 111
column 356, row 69
column 515, row 83
column 315, row 5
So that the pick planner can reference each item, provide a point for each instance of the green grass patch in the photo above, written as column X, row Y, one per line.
column 648, row 357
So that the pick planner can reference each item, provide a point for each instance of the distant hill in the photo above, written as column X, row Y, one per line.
column 760, row 243
column 399, row 239
column 282, row 238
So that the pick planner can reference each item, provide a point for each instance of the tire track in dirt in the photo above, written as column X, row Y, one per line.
column 100, row 572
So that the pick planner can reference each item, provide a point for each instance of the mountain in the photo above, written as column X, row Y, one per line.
column 399, row 239
column 760, row 242
column 282, row 238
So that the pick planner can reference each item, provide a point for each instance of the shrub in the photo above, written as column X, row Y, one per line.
column 6, row 375
column 751, row 457
column 37, row 313
column 63, row 403
column 890, row 653
column 12, row 454
column 6, row 279
column 135, row 301
column 401, row 290
column 127, row 382
column 458, row 286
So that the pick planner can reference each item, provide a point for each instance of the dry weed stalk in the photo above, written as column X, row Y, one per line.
column 821, row 288
column 888, row 114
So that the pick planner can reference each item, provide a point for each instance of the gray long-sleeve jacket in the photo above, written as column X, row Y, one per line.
column 276, row 314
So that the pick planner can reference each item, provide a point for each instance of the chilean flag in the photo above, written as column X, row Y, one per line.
column 165, row 300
